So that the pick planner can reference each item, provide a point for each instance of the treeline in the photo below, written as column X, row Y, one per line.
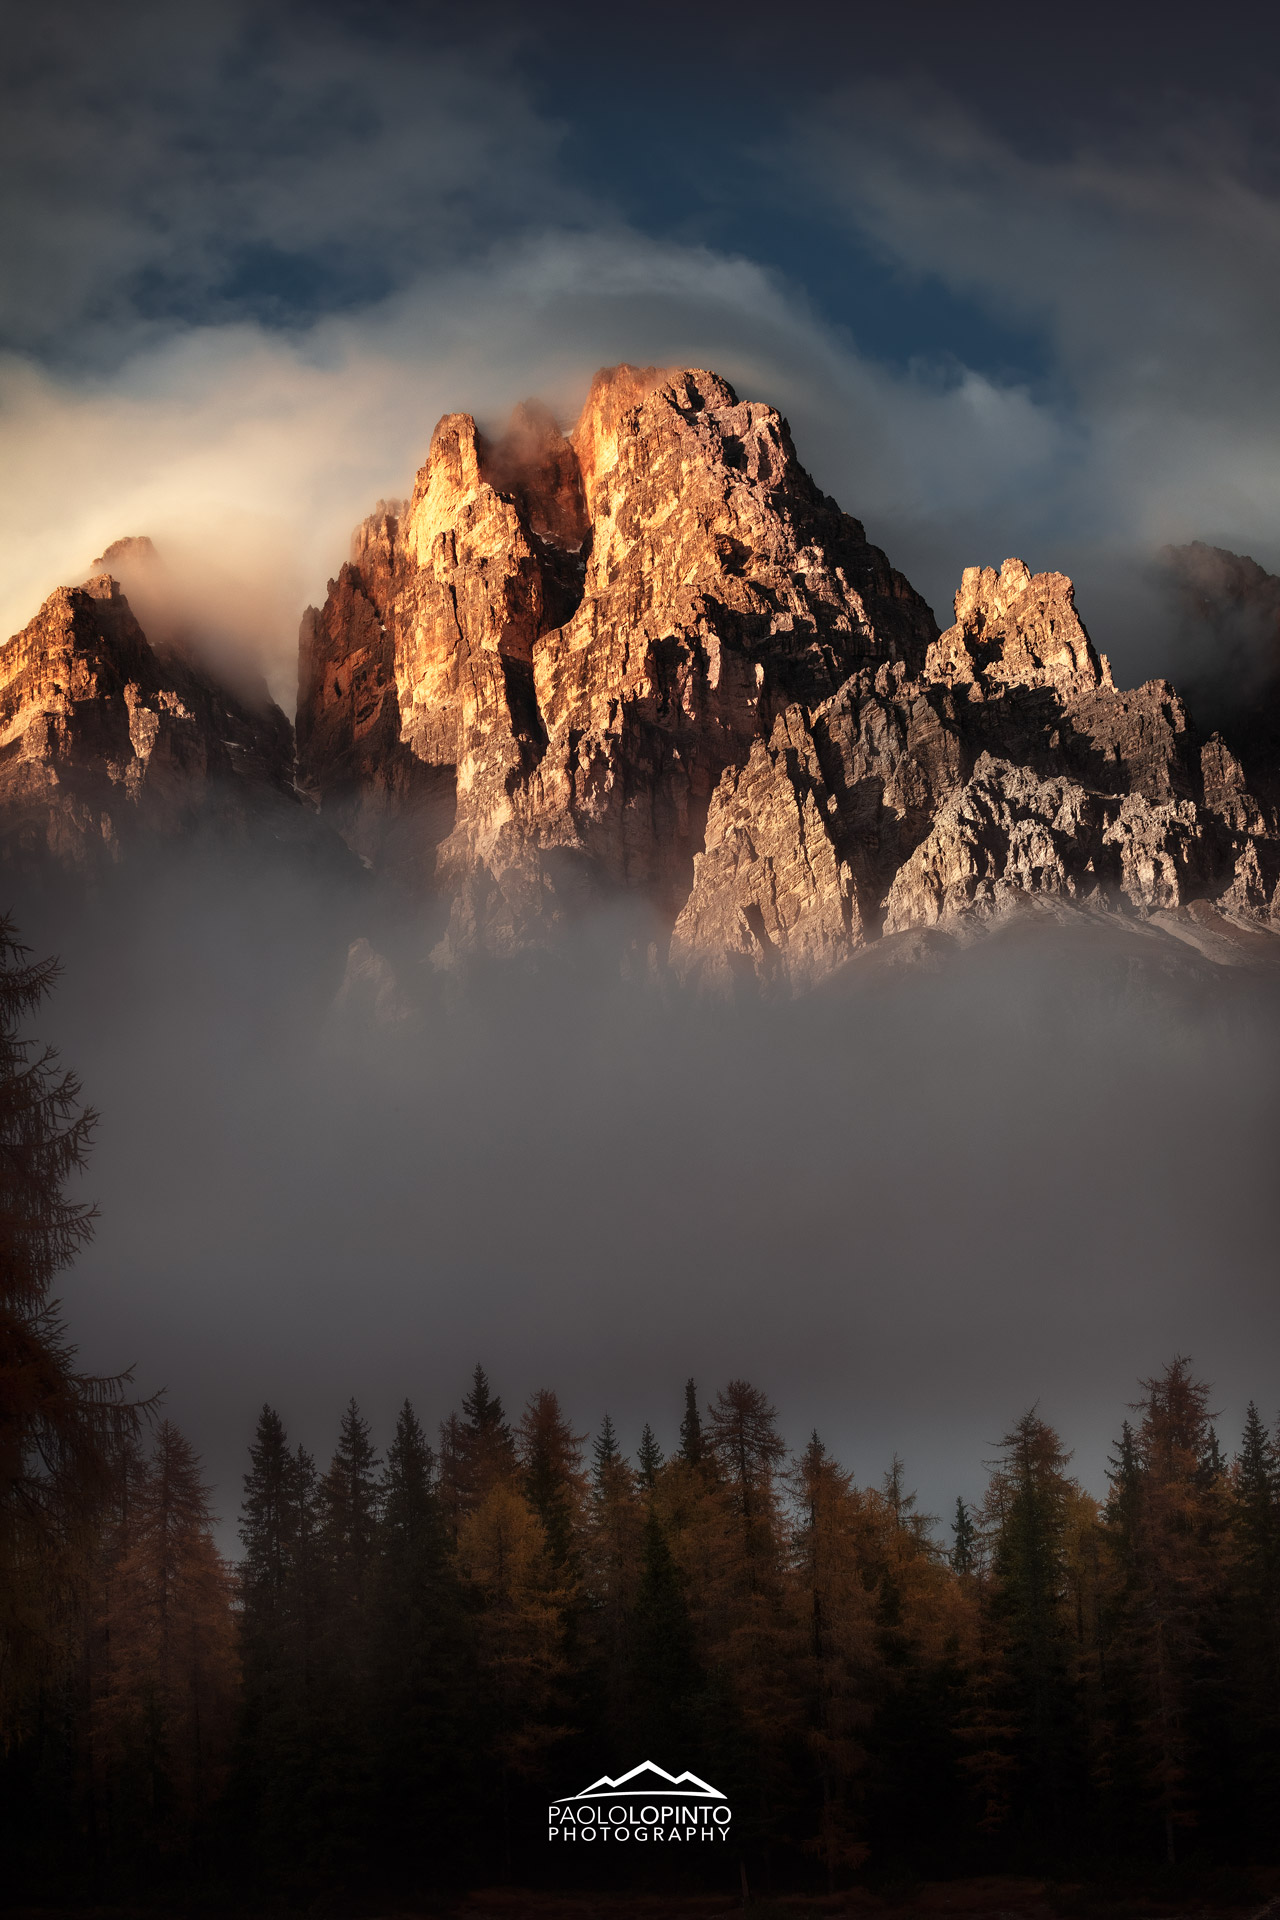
column 418, row 1650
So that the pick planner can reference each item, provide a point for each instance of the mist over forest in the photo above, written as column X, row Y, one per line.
column 909, row 1209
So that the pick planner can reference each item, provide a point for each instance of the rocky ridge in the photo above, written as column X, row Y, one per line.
column 649, row 660
column 108, row 741
column 652, row 657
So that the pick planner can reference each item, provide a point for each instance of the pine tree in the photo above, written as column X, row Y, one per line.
column 477, row 1451
column 664, row 1678
column 348, row 1511
column 649, row 1458
column 282, row 1704
column 1166, row 1530
column 964, row 1553
column 612, row 1565
column 1032, row 1681
column 347, row 1543
column 1253, row 1648
column 62, row 1433
column 423, row 1670
column 605, row 1452
column 692, row 1442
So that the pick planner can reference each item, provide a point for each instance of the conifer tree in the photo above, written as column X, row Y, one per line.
column 550, row 1455
column 1032, row 1681
column 423, row 1673
column 692, row 1443
column 605, row 1452
column 517, row 1712
column 747, row 1446
column 163, row 1714
column 612, row 1563
column 649, row 1458
column 348, row 1511
column 1167, row 1523
column 62, row 1433
column 477, row 1451
column 664, row 1676
column 347, row 1545
column 1254, row 1635
column 839, row 1659
column 964, row 1551
column 282, row 1700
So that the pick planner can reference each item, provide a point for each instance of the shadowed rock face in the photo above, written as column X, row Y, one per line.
column 651, row 661
column 1009, row 774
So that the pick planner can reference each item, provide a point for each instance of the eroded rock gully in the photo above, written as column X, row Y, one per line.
column 650, row 659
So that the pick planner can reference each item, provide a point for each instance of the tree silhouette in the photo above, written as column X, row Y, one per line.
column 61, row 1431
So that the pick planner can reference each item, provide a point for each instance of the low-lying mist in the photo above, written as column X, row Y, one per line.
column 908, row 1208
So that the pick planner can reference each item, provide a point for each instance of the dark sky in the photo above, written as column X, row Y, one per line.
column 1014, row 275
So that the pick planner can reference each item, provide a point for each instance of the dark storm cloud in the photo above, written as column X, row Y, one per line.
column 166, row 167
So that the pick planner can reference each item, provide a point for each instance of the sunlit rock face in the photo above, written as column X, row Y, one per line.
column 531, row 678
column 105, row 738
column 649, row 662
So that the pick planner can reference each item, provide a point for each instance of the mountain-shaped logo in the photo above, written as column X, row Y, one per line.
column 646, row 1804
column 647, row 1778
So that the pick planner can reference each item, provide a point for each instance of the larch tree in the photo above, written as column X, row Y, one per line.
column 164, row 1712
column 838, row 1658
column 550, row 1456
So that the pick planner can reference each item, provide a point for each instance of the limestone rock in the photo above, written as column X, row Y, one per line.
column 571, row 639
column 649, row 661
column 101, row 738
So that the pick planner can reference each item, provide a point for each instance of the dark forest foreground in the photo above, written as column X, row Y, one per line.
column 1216, row 1896
column 421, row 1647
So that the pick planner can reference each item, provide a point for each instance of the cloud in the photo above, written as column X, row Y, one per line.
column 253, row 452
column 254, row 260
column 1152, row 270
column 165, row 166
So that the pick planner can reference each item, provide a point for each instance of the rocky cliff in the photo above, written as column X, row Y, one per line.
column 652, row 658
column 106, row 739
column 650, row 661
